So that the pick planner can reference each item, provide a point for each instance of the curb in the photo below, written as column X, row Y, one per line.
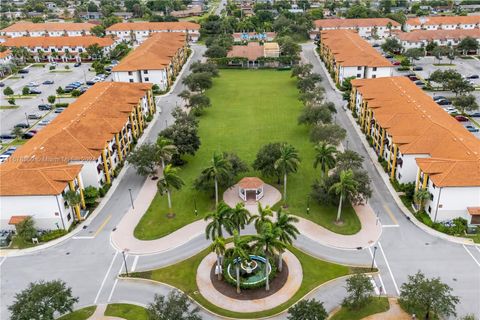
column 382, row 174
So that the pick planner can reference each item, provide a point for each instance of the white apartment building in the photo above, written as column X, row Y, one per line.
column 138, row 32
column 157, row 60
column 82, row 147
column 366, row 28
column 51, row 29
column 421, row 144
column 347, row 55
column 442, row 23
column 421, row 38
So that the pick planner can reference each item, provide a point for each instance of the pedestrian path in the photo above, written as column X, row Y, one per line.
column 394, row 313
column 99, row 314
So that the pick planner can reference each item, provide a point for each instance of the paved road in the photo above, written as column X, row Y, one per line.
column 221, row 6
column 89, row 264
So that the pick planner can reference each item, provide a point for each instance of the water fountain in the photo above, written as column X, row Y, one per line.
column 252, row 271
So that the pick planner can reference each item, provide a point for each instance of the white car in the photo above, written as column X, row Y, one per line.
column 44, row 122
column 32, row 84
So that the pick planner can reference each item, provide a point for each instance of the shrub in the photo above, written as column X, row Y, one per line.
column 52, row 234
column 8, row 91
column 149, row 118
column 26, row 229
column 51, row 99
column 25, row 91
column 90, row 194
column 60, row 90
column 76, row 93
column 67, row 68
column 52, row 68
column 61, row 105
column 11, row 101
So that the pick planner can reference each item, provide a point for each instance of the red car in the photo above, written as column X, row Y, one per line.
column 396, row 63
column 413, row 78
column 461, row 118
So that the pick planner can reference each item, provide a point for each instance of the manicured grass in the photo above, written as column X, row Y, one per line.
column 376, row 305
column 249, row 109
column 9, row 106
column 80, row 314
column 19, row 243
column 126, row 311
column 182, row 276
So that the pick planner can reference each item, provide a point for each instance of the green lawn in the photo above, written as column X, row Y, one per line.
column 376, row 305
column 80, row 314
column 182, row 276
column 249, row 109
column 126, row 311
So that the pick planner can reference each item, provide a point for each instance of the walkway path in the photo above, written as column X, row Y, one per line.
column 99, row 314
column 394, row 313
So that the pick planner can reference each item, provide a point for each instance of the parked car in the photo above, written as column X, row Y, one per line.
column 33, row 131
column 461, row 118
column 2, row 84
column 473, row 76
column 44, row 122
column 21, row 125
column 32, row 84
column 417, row 68
column 78, row 64
column 396, row 63
column 6, row 136
column 413, row 78
column 388, row 56
column 59, row 110
column 23, row 71
column 472, row 129
column 108, row 69
column 44, row 107
column 419, row 83
column 375, row 45
column 28, row 135
column 443, row 102
column 436, row 98
column 35, row 91
column 451, row 110
column 475, row 115
column 48, row 82
column 90, row 83
column 34, row 116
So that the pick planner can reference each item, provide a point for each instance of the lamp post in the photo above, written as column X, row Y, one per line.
column 131, row 198
column 308, row 204
column 347, row 144
column 26, row 118
column 195, row 206
column 166, row 123
column 125, row 261
column 373, row 258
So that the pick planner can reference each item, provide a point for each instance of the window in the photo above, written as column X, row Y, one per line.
column 431, row 196
column 130, row 80
column 374, row 76
column 429, row 209
column 374, row 68
column 146, row 79
column 359, row 68
column 69, row 217
column 145, row 71
column 359, row 75
column 130, row 73
column 65, row 204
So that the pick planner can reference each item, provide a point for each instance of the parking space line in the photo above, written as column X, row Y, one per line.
column 389, row 270
column 379, row 275
column 135, row 261
column 3, row 260
column 471, row 255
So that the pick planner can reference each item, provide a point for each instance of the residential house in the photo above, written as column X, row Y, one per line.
column 52, row 29
column 6, row 57
column 442, row 22
column 253, row 51
column 140, row 31
column 60, row 48
column 157, row 60
column 83, row 146
column 347, row 55
column 420, row 143
column 366, row 28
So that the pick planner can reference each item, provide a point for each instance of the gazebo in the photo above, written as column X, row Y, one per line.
column 250, row 188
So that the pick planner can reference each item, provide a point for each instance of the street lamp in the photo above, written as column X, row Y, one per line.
column 131, row 198
column 373, row 258
column 166, row 123
column 26, row 118
column 308, row 204
column 347, row 144
column 195, row 205
column 125, row 260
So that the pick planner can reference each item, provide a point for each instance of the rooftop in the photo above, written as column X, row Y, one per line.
column 252, row 51
column 140, row 26
column 352, row 23
column 419, row 126
column 45, row 42
column 48, row 26
column 429, row 35
column 349, row 49
column 5, row 54
column 434, row 20
column 250, row 183
column 155, row 53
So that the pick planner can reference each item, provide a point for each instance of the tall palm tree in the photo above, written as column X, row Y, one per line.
column 287, row 231
column 287, row 163
column 73, row 199
column 218, row 246
column 240, row 216
column 324, row 157
column 269, row 243
column 263, row 217
column 221, row 218
column 170, row 180
column 420, row 197
column 239, row 254
column 346, row 186
column 219, row 168
column 165, row 150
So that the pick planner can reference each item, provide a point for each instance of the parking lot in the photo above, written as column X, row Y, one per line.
column 38, row 74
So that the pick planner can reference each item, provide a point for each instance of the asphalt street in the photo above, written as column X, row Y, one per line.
column 90, row 265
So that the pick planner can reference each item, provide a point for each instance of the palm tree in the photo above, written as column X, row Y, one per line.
column 218, row 246
column 269, row 243
column 346, row 186
column 287, row 231
column 420, row 197
column 287, row 163
column 219, row 169
column 263, row 217
column 73, row 199
column 240, row 216
column 169, row 180
column 324, row 157
column 165, row 150
column 239, row 254
column 221, row 218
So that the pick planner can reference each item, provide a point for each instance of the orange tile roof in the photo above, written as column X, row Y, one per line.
column 17, row 219
column 353, row 23
column 438, row 20
column 349, row 49
column 5, row 54
column 154, row 26
column 252, row 51
column 42, row 165
column 48, row 26
column 419, row 126
column 429, row 35
column 45, row 42
column 474, row 211
column 250, row 183
column 155, row 53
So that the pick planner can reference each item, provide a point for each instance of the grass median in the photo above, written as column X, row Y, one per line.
column 249, row 109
